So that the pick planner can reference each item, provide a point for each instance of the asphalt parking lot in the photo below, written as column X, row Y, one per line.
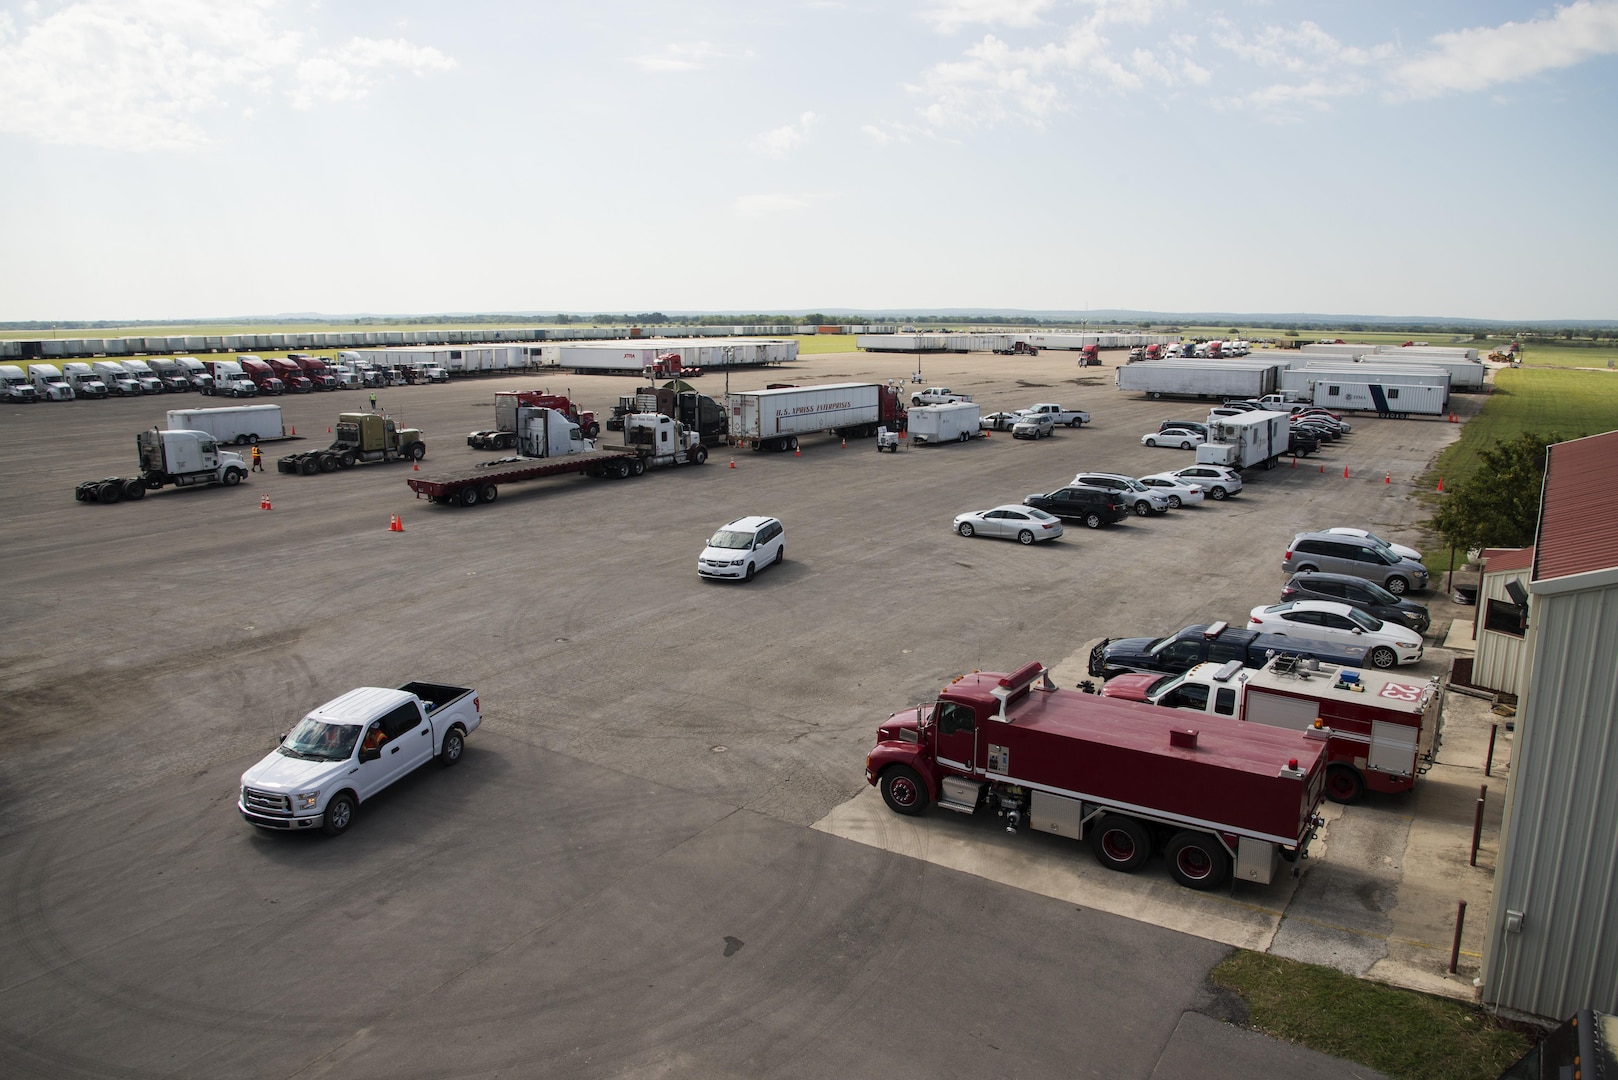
column 632, row 871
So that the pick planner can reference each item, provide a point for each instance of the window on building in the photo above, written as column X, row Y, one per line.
column 1504, row 617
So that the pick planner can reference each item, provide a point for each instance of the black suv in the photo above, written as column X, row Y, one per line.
column 1093, row 506
column 1368, row 596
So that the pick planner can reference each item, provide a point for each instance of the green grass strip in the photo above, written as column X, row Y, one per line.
column 1401, row 1033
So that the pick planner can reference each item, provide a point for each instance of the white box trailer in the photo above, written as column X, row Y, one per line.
column 1383, row 394
column 905, row 343
column 776, row 419
column 1352, row 350
column 1435, row 352
column 1465, row 376
column 1221, row 379
column 1061, row 341
column 1241, row 442
column 955, row 422
column 239, row 424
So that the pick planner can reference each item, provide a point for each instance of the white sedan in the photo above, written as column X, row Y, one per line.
column 1023, row 524
column 1398, row 549
column 1181, row 492
column 1386, row 643
column 1184, row 438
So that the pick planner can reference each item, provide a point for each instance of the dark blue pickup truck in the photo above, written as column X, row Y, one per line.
column 1218, row 644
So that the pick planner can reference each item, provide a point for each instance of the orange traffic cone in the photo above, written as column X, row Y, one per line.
column 796, row 452
column 264, row 503
column 294, row 429
column 845, row 445
column 1440, row 483
column 328, row 429
column 394, row 524
column 986, row 433
column 415, row 466
column 1294, row 461
column 1387, row 477
column 1323, row 470
column 732, row 463
column 1345, row 472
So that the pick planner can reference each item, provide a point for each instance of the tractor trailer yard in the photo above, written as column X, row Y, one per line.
column 659, row 853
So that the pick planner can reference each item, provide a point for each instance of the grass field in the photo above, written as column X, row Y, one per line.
column 1544, row 400
column 1398, row 1032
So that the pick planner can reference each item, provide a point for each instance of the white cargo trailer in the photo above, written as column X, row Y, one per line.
column 1436, row 352
column 776, row 419
column 955, row 422
column 1465, row 376
column 1246, row 440
column 1220, row 379
column 1389, row 390
column 240, row 424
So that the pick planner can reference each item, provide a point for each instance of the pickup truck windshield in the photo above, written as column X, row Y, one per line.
column 314, row 740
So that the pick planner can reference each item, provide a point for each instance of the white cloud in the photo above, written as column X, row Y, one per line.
column 353, row 71
column 947, row 16
column 1476, row 59
column 783, row 140
column 684, row 56
column 147, row 74
column 770, row 205
column 876, row 134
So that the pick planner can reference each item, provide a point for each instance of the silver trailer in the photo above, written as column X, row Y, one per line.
column 1220, row 379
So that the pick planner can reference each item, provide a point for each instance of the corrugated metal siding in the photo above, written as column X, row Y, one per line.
column 1498, row 656
column 1578, row 524
column 1559, row 861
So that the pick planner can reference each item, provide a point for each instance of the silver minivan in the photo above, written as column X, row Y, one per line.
column 1337, row 553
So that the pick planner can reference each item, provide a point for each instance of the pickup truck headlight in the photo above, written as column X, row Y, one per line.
column 305, row 800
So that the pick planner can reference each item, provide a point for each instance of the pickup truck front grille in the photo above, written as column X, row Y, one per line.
column 266, row 802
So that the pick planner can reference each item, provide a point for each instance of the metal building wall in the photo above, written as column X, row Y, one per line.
column 1498, row 656
column 1558, row 855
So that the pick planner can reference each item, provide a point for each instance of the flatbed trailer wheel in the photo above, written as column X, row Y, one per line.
column 468, row 496
column 488, row 493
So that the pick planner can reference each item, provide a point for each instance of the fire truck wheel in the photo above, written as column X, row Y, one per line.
column 1197, row 860
column 903, row 790
column 1344, row 785
column 1120, row 842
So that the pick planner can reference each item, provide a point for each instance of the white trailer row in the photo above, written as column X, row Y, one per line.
column 455, row 359
column 1365, row 348
column 634, row 357
column 1001, row 342
column 1467, row 374
column 1220, row 379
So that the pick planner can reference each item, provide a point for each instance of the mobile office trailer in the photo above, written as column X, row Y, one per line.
column 775, row 419
column 956, row 421
column 50, row 383
column 240, row 424
column 1219, row 379
column 1241, row 442
column 1363, row 387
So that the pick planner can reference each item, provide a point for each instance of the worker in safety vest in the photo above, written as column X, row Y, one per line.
column 258, row 459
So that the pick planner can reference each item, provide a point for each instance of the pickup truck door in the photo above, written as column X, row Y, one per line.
column 406, row 741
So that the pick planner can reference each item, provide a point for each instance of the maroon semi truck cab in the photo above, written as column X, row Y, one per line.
column 1211, row 794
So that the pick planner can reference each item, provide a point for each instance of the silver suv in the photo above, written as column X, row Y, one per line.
column 1142, row 499
column 1339, row 553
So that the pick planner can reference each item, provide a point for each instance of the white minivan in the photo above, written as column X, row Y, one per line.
column 743, row 547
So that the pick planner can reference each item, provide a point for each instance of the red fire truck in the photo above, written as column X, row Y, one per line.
column 1130, row 778
column 1385, row 727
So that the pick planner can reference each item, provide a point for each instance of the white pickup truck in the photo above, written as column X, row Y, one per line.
column 351, row 748
column 1071, row 417
column 937, row 395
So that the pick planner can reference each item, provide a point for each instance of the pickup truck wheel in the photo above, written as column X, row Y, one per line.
column 468, row 496
column 454, row 743
column 233, row 477
column 1196, row 860
column 1120, row 842
column 1383, row 657
column 699, row 455
column 1344, row 784
column 339, row 814
column 1092, row 521
column 488, row 493
column 1075, row 422
column 1025, row 538
column 965, row 528
column 903, row 790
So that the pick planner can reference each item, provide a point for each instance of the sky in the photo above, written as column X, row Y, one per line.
column 180, row 159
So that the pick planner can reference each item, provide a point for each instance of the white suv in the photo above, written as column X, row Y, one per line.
column 743, row 547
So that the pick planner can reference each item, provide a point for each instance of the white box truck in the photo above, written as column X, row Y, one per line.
column 955, row 422
column 240, row 424
column 1246, row 440
column 775, row 419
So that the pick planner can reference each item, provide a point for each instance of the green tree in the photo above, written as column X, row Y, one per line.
column 1498, row 506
